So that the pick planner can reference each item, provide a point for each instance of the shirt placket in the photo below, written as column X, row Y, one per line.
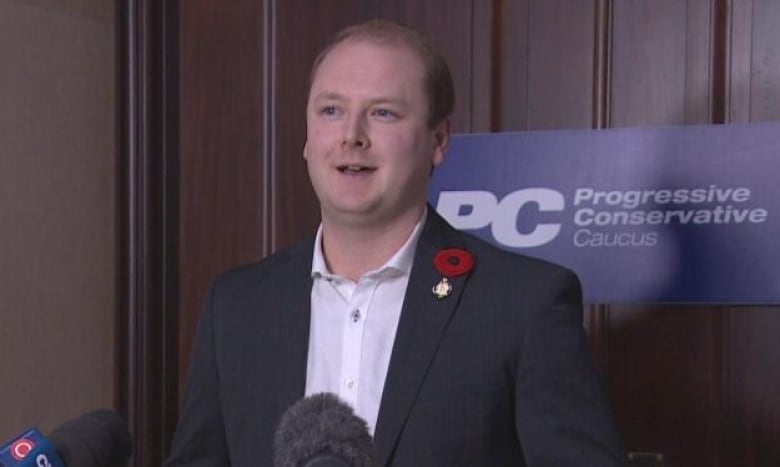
column 352, row 349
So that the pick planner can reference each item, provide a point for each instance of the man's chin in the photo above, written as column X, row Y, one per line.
column 367, row 216
column 357, row 215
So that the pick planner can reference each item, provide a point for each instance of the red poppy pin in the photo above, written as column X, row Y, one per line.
column 450, row 262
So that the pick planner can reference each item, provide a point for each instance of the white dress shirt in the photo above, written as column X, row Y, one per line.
column 353, row 327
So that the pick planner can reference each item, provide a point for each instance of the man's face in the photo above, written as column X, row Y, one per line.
column 369, row 149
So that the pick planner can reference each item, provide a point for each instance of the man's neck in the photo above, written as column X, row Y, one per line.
column 352, row 251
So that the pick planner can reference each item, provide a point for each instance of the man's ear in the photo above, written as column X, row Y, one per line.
column 441, row 141
column 306, row 150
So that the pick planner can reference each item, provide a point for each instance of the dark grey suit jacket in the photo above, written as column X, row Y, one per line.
column 496, row 374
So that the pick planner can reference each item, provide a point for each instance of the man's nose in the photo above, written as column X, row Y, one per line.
column 355, row 135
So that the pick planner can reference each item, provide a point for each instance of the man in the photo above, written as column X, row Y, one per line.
column 455, row 353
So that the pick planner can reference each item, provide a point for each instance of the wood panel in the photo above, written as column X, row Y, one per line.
column 751, row 405
column 560, row 64
column 665, row 373
column 223, row 198
column 148, row 224
column 546, row 55
column 755, row 71
column 661, row 62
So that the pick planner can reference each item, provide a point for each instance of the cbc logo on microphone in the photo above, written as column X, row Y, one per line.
column 42, row 461
column 21, row 448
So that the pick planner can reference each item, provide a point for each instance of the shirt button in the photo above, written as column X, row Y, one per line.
column 350, row 383
column 355, row 315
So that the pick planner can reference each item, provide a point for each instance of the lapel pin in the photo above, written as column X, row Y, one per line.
column 450, row 262
column 443, row 289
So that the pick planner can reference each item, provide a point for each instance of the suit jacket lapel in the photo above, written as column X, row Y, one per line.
column 423, row 322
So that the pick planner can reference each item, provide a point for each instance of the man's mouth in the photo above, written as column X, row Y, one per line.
column 354, row 169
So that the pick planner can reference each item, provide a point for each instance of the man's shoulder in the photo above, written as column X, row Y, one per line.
column 500, row 261
column 291, row 261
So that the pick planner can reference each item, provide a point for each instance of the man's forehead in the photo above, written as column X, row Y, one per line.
column 354, row 48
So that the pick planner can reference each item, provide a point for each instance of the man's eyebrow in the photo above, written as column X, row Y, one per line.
column 330, row 96
column 334, row 96
column 389, row 100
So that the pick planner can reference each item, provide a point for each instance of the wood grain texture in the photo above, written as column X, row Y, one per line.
column 665, row 373
column 222, row 159
column 751, row 405
column 148, row 225
column 561, row 46
column 648, row 63
column 765, row 61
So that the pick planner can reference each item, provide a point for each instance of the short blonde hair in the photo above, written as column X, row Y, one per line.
column 438, row 85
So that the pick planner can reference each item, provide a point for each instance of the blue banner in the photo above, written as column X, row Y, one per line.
column 684, row 214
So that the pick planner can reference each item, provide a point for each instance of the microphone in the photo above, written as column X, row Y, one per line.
column 30, row 449
column 96, row 439
column 322, row 431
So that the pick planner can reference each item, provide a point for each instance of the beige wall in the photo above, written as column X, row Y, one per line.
column 57, row 211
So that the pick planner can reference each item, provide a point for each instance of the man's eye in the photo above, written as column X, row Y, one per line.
column 329, row 110
column 384, row 113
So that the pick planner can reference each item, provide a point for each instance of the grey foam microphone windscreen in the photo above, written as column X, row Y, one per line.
column 96, row 439
column 320, row 427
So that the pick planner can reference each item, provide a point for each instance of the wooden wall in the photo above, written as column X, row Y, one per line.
column 696, row 384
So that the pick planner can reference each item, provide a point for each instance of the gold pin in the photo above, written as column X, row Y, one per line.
column 442, row 289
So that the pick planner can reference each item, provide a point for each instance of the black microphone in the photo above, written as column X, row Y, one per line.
column 96, row 439
column 322, row 431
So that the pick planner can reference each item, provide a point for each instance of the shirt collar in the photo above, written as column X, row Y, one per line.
column 400, row 262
